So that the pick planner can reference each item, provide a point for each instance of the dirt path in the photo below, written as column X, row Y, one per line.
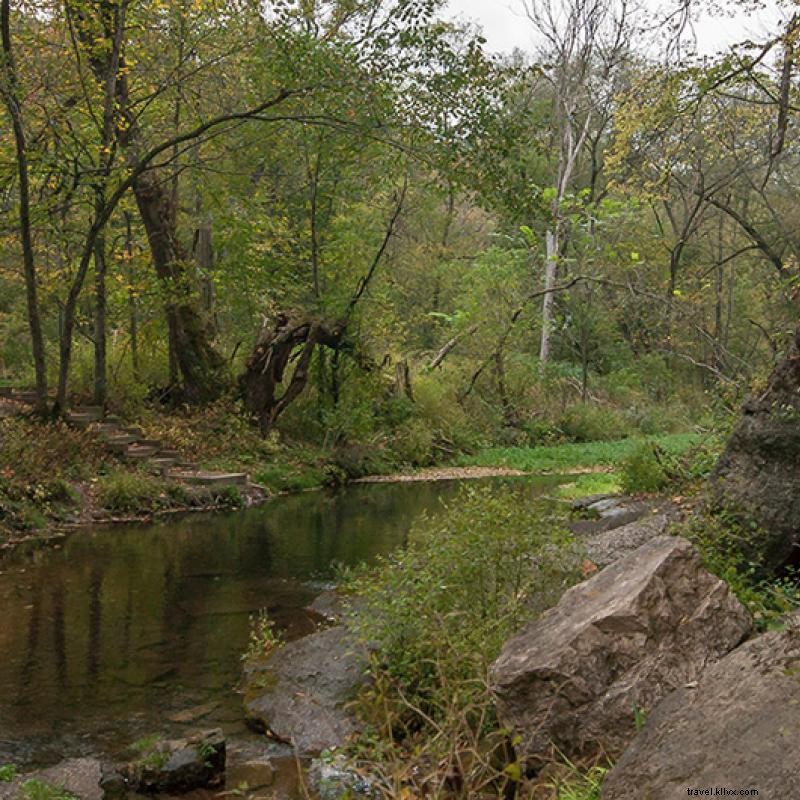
column 445, row 474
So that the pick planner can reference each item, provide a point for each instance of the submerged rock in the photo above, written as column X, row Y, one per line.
column 179, row 765
column 298, row 693
column 738, row 728
column 613, row 647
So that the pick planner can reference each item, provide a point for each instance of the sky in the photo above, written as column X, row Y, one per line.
column 505, row 26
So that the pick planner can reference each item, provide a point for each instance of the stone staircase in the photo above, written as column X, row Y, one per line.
column 127, row 442
column 130, row 444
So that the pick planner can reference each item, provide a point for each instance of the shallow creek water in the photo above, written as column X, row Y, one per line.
column 130, row 630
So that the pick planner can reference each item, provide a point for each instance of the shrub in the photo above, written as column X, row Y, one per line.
column 413, row 444
column 126, row 492
column 32, row 451
column 642, row 470
column 588, row 423
column 438, row 611
column 435, row 615
column 727, row 545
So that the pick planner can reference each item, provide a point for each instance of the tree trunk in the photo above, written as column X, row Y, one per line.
column 100, row 366
column 757, row 478
column 8, row 85
column 201, row 366
column 550, row 275
column 132, row 312
column 275, row 348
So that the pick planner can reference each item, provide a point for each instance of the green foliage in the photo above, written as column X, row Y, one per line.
column 592, row 483
column 8, row 772
column 130, row 491
column 580, row 785
column 726, row 545
column 263, row 636
column 588, row 423
column 438, row 611
column 642, row 470
column 34, row 789
column 568, row 457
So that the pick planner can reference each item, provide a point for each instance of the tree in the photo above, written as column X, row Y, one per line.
column 9, row 87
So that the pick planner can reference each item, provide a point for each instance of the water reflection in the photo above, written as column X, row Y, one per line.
column 106, row 638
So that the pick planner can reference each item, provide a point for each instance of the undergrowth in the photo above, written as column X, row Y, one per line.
column 436, row 615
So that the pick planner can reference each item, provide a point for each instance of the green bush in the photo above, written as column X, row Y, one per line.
column 727, row 545
column 124, row 491
column 589, row 423
column 413, row 444
column 642, row 470
column 438, row 611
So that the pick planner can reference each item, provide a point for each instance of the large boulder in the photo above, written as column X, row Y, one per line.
column 298, row 693
column 757, row 478
column 580, row 676
column 737, row 728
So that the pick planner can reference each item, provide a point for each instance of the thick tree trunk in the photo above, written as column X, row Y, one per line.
column 201, row 366
column 757, row 479
column 276, row 346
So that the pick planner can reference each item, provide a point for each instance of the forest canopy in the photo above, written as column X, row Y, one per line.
column 356, row 220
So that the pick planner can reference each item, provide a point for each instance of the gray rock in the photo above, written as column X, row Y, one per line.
column 251, row 776
column 297, row 694
column 81, row 777
column 179, row 765
column 583, row 503
column 329, row 605
column 738, row 727
column 609, row 546
column 613, row 645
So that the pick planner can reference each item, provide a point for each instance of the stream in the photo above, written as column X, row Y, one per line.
column 125, row 631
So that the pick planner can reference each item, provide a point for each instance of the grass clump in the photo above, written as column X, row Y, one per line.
column 125, row 491
column 8, row 772
column 34, row 789
column 436, row 615
column 578, row 784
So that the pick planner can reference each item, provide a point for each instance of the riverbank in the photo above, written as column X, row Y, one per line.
column 55, row 478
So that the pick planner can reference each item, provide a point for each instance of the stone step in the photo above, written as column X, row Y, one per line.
column 167, row 453
column 210, row 478
column 23, row 395
column 83, row 417
column 6, row 391
column 133, row 430
column 161, row 461
column 108, row 428
column 136, row 452
column 161, row 466
column 88, row 410
column 119, row 444
column 151, row 443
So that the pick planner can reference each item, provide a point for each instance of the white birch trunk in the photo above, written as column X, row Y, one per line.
column 551, row 270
